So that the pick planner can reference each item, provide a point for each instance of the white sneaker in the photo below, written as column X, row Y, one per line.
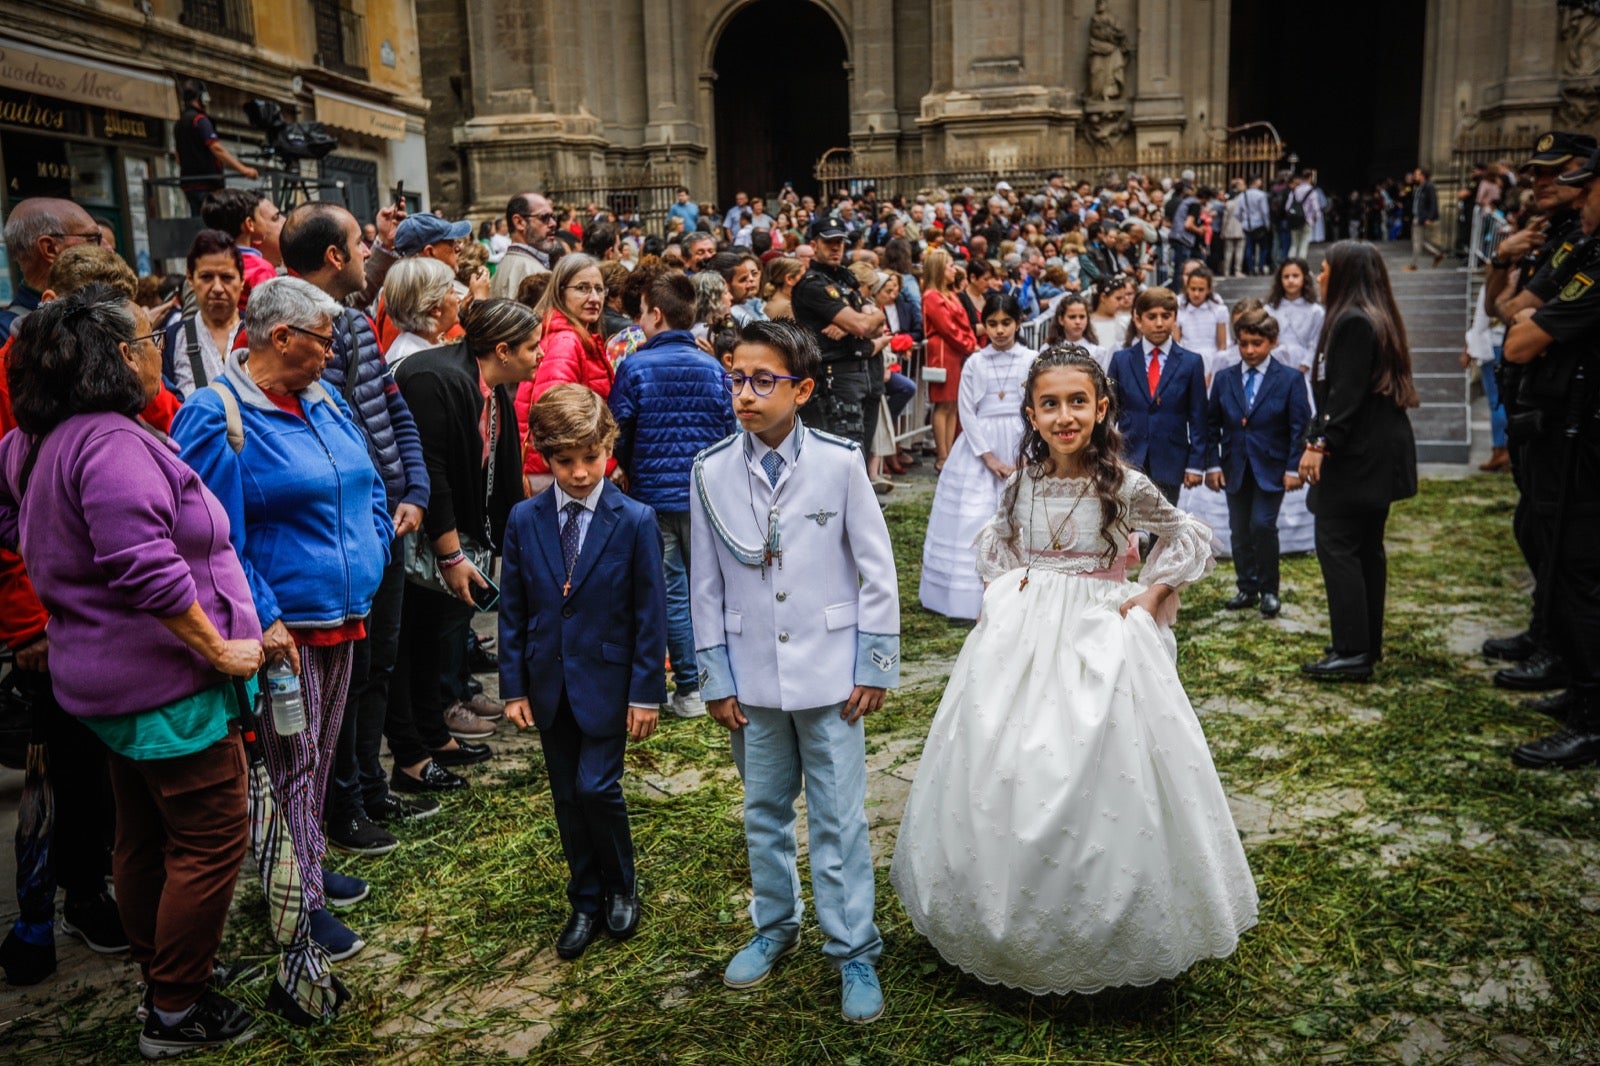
column 687, row 705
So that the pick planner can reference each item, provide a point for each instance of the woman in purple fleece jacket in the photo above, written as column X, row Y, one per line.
column 150, row 618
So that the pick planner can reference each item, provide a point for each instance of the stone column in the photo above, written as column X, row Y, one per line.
column 874, row 125
column 1158, row 105
column 1526, row 99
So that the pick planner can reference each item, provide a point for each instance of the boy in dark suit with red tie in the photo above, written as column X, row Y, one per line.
column 583, row 639
column 1161, row 398
column 1255, row 423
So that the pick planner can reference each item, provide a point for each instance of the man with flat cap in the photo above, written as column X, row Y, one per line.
column 1522, row 277
column 828, row 304
column 1557, row 343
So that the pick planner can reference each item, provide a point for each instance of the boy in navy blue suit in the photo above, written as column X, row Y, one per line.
column 583, row 639
column 1161, row 398
column 1255, row 423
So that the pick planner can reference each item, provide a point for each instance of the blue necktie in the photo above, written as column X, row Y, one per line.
column 569, row 536
column 1250, row 387
column 772, row 463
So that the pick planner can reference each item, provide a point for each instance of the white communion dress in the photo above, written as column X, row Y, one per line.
column 1067, row 831
column 968, row 493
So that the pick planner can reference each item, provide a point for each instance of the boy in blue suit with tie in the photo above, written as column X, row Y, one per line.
column 1255, row 423
column 1161, row 398
column 583, row 639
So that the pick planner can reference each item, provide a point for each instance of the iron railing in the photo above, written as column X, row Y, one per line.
column 234, row 19
column 341, row 39
column 1215, row 164
column 643, row 193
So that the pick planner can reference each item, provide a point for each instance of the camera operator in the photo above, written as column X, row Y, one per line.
column 201, row 154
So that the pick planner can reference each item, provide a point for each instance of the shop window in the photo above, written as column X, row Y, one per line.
column 359, row 178
column 233, row 19
column 341, row 38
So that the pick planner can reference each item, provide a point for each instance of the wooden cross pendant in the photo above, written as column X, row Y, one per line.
column 566, row 590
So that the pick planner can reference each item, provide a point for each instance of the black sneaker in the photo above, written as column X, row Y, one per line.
column 25, row 963
column 214, row 1021
column 359, row 836
column 394, row 808
column 434, row 778
column 95, row 922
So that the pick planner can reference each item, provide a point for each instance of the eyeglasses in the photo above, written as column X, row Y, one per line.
column 93, row 236
column 587, row 290
column 325, row 342
column 763, row 383
column 158, row 338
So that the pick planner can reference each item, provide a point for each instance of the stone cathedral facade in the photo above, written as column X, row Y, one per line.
column 540, row 93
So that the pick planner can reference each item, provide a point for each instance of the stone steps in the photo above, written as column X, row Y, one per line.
column 1435, row 307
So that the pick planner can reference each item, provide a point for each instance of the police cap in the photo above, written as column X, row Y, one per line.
column 1584, row 174
column 830, row 230
column 1558, row 147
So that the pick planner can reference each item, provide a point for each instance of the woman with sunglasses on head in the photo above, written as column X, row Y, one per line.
column 310, row 521
column 573, row 350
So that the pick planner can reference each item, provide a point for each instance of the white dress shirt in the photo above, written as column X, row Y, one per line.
column 585, row 517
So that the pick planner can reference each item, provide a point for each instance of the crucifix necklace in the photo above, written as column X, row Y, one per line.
column 1005, row 376
column 1055, row 530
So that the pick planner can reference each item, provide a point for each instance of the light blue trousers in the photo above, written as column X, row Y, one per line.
column 775, row 753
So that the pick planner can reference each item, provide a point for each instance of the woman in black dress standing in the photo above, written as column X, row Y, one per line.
column 1360, row 453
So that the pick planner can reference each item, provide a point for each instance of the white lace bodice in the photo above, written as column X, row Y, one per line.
column 1045, row 532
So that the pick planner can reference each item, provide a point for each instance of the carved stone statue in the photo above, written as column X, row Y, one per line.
column 1580, row 41
column 1108, row 55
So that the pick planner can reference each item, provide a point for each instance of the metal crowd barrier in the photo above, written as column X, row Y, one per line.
column 913, row 421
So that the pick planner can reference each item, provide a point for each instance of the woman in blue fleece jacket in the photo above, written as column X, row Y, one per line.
column 309, row 519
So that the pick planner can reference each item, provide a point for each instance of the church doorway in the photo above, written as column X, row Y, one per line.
column 1342, row 84
column 782, row 97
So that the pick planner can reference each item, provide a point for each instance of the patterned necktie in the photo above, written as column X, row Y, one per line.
column 1155, row 371
column 772, row 463
column 1250, row 387
column 569, row 535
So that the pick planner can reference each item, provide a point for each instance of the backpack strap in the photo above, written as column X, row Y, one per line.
column 230, row 411
column 197, row 362
column 353, row 360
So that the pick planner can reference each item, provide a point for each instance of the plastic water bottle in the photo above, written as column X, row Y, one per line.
column 288, row 708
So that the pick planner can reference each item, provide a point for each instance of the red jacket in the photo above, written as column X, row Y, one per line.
column 947, row 328
column 569, row 355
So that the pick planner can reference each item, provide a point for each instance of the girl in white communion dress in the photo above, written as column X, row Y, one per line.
column 1067, row 831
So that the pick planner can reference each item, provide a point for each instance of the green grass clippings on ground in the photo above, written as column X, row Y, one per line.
column 1421, row 900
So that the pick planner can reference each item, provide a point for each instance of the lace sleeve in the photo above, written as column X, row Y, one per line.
column 997, row 548
column 1185, row 548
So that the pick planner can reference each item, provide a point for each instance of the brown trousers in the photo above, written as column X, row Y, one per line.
column 182, row 830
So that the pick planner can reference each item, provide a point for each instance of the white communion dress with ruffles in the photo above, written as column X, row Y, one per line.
column 1067, row 831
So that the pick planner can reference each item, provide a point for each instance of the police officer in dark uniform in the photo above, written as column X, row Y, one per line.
column 1558, row 420
column 828, row 303
column 1522, row 276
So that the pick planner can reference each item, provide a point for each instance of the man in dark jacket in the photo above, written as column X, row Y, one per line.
column 670, row 403
column 1424, row 213
column 321, row 242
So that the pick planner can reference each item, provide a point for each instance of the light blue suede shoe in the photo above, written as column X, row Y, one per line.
column 863, row 997
column 752, row 965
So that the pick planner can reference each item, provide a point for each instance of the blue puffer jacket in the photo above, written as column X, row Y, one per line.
column 670, row 403
column 306, row 510
column 379, row 410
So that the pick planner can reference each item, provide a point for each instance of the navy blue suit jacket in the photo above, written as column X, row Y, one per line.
column 1164, row 436
column 606, row 642
column 1263, row 441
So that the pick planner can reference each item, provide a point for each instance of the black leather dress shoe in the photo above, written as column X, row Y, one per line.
column 433, row 778
column 1335, row 667
column 580, row 931
column 1562, row 749
column 1512, row 649
column 1558, row 706
column 1241, row 600
column 463, row 754
column 1539, row 672
column 622, row 915
column 1270, row 605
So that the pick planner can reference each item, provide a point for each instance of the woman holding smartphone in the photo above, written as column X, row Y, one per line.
column 461, row 396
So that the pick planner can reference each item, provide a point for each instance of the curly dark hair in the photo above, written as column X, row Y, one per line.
column 67, row 360
column 1100, row 456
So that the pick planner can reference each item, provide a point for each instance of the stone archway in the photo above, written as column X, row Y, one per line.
column 781, row 96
